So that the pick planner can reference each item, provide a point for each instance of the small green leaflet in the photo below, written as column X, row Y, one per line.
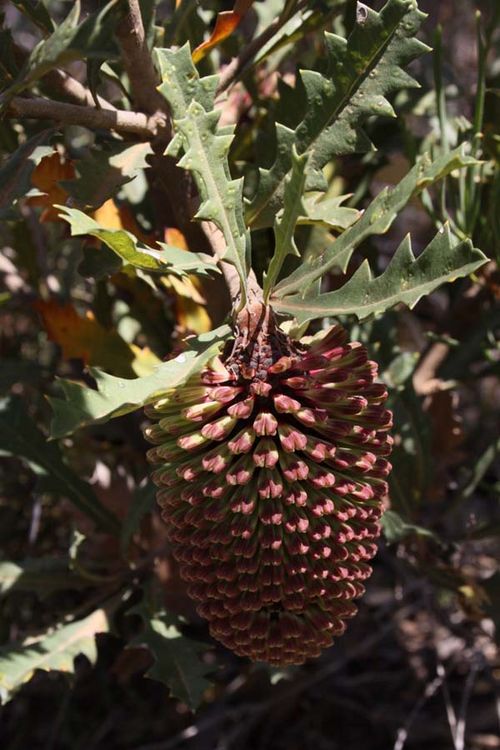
column 53, row 650
column 176, row 658
column 169, row 259
column 20, row 437
column 405, row 280
column 286, row 221
column 377, row 219
column 205, row 147
column 359, row 74
column 117, row 396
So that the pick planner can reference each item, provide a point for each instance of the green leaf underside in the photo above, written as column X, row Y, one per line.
column 205, row 148
column 20, row 437
column 42, row 575
column 53, row 651
column 377, row 219
column 169, row 259
column 117, row 396
column 286, row 221
column 405, row 280
column 360, row 72
column 176, row 660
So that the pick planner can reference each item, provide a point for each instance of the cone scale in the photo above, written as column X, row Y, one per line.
column 271, row 468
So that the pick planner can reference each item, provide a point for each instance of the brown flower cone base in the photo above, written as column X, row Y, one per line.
column 272, row 468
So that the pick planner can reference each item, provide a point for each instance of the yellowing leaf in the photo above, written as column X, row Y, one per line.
column 46, row 177
column 85, row 338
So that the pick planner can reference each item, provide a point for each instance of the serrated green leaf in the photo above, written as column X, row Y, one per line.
column 176, row 658
column 20, row 437
column 16, row 170
column 405, row 280
column 169, row 259
column 52, row 651
column 205, row 147
column 359, row 73
column 42, row 576
column 286, row 221
column 117, row 396
column 377, row 219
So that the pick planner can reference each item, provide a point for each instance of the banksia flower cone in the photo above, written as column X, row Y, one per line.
column 272, row 466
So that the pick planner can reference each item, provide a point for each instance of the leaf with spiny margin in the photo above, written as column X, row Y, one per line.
column 205, row 147
column 405, row 280
column 53, row 651
column 114, row 396
column 20, row 437
column 176, row 657
column 169, row 259
column 360, row 72
column 286, row 221
column 377, row 219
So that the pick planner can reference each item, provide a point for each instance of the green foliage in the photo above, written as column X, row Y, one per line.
column 16, row 170
column 359, row 73
column 176, row 658
column 126, row 246
column 205, row 148
column 55, row 650
column 405, row 280
column 42, row 576
column 117, row 396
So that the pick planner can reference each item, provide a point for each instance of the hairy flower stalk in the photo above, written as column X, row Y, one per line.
column 272, row 467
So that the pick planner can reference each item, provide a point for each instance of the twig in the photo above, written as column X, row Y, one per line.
column 238, row 64
column 74, row 90
column 462, row 712
column 71, row 114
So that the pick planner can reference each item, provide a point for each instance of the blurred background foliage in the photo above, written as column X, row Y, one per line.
column 80, row 537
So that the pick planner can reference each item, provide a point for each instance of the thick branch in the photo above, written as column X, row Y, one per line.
column 72, row 89
column 137, row 61
column 71, row 114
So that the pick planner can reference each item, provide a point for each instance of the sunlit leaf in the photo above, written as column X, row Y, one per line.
column 42, row 575
column 56, row 649
column 116, row 396
column 46, row 178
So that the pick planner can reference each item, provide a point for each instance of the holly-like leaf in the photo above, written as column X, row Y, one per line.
column 55, row 650
column 125, row 245
column 377, row 219
column 205, row 147
column 360, row 72
column 16, row 171
column 20, row 437
column 176, row 658
column 42, row 575
column 286, row 221
column 405, row 280
column 117, row 396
